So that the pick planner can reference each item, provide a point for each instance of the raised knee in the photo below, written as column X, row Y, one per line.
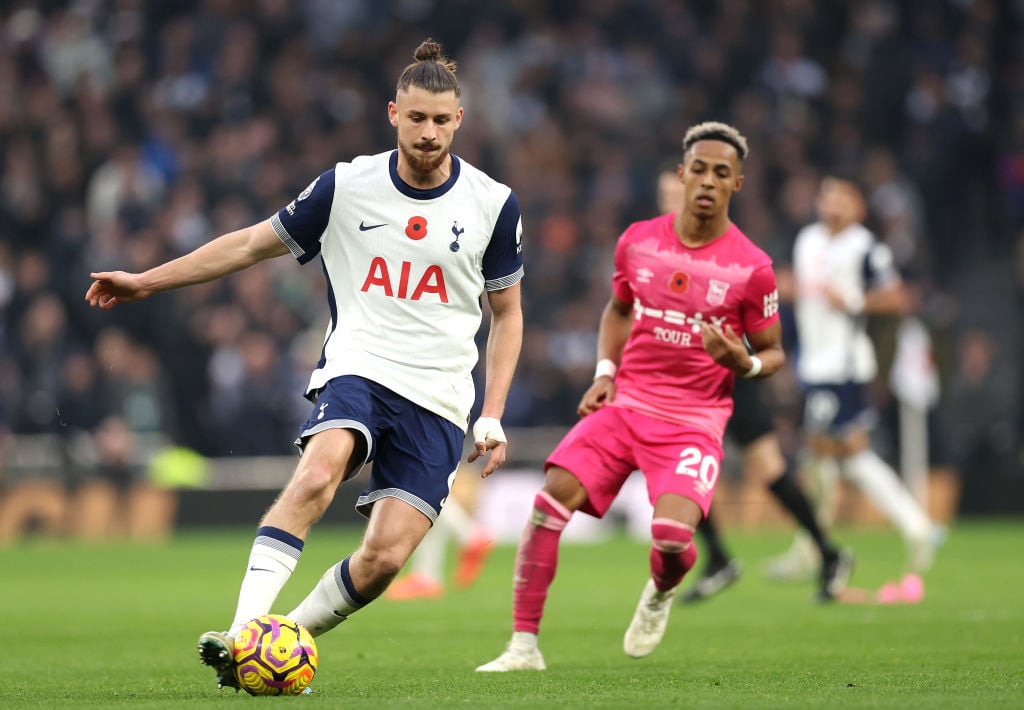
column 671, row 536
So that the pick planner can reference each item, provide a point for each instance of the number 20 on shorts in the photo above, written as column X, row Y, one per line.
column 695, row 463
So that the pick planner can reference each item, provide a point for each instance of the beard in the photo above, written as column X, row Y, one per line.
column 423, row 164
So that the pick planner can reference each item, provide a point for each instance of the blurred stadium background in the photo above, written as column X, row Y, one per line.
column 132, row 131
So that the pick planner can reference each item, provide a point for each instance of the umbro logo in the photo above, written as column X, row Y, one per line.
column 367, row 227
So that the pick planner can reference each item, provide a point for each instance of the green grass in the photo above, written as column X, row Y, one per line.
column 116, row 625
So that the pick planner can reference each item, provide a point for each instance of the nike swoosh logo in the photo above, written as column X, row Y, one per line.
column 368, row 227
column 260, row 569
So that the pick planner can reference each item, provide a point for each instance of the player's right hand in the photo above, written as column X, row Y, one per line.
column 599, row 394
column 112, row 287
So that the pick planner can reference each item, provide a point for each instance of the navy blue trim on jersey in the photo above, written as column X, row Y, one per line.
column 332, row 304
column 879, row 268
column 302, row 222
column 415, row 193
column 866, row 271
column 503, row 259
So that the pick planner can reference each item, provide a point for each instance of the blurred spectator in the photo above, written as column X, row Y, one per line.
column 982, row 435
column 117, row 496
column 124, row 187
column 96, row 512
column 81, row 404
column 41, row 346
column 249, row 416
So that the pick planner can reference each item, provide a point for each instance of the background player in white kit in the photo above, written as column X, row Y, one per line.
column 842, row 274
column 687, row 287
column 409, row 240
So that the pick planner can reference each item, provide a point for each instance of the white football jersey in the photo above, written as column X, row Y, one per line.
column 405, row 272
column 834, row 346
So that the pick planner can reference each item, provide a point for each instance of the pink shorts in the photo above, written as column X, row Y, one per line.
column 608, row 445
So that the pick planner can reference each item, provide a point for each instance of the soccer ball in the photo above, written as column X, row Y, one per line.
column 274, row 656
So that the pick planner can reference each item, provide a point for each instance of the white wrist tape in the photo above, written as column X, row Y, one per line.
column 488, row 428
column 605, row 368
column 755, row 367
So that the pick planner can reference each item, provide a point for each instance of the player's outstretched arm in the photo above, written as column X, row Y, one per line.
column 224, row 255
column 504, row 341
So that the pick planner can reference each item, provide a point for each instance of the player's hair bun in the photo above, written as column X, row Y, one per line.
column 428, row 49
column 431, row 51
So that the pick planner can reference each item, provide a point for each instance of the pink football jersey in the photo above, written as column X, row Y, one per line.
column 665, row 372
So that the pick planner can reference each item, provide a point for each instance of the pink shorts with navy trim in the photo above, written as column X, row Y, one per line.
column 603, row 448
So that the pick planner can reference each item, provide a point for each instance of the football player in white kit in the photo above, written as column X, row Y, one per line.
column 408, row 240
column 843, row 274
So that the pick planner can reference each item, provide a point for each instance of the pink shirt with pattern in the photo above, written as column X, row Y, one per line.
column 665, row 372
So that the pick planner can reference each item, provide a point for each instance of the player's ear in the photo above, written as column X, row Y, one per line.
column 739, row 183
column 393, row 113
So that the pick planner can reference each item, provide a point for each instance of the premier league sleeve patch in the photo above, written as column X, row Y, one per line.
column 302, row 222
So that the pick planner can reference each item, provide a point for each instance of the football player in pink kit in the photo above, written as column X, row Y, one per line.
column 687, row 287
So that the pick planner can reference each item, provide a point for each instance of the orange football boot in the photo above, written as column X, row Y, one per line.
column 471, row 560
column 414, row 585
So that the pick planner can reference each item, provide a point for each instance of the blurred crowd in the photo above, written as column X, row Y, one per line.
column 133, row 131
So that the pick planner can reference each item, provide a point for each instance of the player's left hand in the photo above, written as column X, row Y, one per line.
column 488, row 436
column 724, row 346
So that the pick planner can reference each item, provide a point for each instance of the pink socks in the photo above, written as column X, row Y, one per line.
column 536, row 561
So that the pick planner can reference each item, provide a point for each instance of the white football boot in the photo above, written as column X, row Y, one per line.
column 521, row 654
column 648, row 626
column 797, row 564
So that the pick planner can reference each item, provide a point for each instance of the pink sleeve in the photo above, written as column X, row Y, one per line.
column 761, row 300
column 620, row 279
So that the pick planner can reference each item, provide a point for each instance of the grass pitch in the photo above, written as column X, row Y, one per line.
column 116, row 625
